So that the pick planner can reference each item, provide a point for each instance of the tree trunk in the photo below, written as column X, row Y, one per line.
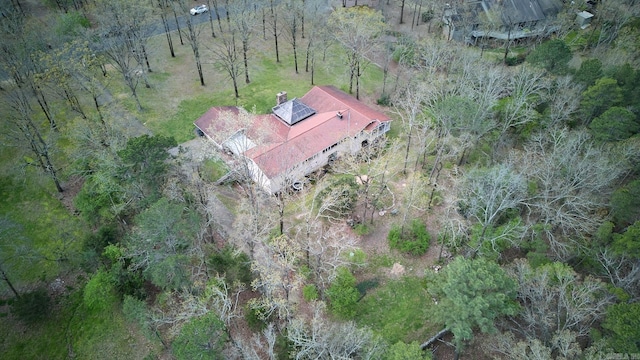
column 306, row 62
column 402, row 12
column 228, row 15
column 199, row 65
column 506, row 50
column 358, row 74
column 215, row 7
column 245, row 49
column 435, row 337
column 312, row 69
column 464, row 153
column 302, row 18
column 213, row 33
column 6, row 279
column 175, row 16
column 406, row 154
column 40, row 150
column 42, row 101
column 264, row 25
column 95, row 102
column 413, row 18
column 294, row 30
column 235, row 86
column 167, row 32
column 146, row 58
column 351, row 73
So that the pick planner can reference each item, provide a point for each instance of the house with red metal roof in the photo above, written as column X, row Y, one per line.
column 299, row 137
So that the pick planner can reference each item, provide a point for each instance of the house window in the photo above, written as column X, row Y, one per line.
column 382, row 128
column 329, row 148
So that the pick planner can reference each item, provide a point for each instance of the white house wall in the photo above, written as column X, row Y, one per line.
column 298, row 172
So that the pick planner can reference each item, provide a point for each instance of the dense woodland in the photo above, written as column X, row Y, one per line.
column 499, row 219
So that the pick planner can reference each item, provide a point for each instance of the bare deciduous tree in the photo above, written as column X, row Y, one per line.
column 226, row 58
column 292, row 12
column 17, row 50
column 563, row 97
column 278, row 278
column 358, row 29
column 409, row 104
column 621, row 270
column 572, row 181
column 275, row 29
column 489, row 193
column 320, row 339
column 25, row 131
column 555, row 300
column 163, row 5
column 192, row 34
column 525, row 90
column 244, row 21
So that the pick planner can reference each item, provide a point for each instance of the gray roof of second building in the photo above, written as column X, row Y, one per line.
column 521, row 11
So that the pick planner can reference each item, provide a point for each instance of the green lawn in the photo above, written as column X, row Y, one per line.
column 88, row 334
column 268, row 78
column 398, row 310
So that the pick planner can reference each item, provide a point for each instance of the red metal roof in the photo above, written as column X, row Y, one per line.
column 280, row 146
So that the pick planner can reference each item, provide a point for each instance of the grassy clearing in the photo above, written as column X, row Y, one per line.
column 397, row 310
column 176, row 98
column 47, row 228
column 89, row 334
column 213, row 169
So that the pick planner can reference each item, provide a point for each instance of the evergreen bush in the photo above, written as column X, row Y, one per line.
column 413, row 240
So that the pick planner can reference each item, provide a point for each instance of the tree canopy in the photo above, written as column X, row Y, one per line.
column 615, row 124
column 599, row 97
column 472, row 294
column 552, row 55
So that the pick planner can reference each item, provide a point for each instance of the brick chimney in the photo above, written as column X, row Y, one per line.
column 281, row 97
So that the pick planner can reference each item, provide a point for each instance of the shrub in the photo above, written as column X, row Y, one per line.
column 106, row 235
column 384, row 100
column 362, row 229
column 135, row 311
column 235, row 265
column 343, row 294
column 253, row 316
column 405, row 51
column 427, row 16
column 511, row 61
column 624, row 207
column 404, row 351
column 201, row 337
column 99, row 291
column 310, row 292
column 356, row 257
column 127, row 282
column 413, row 240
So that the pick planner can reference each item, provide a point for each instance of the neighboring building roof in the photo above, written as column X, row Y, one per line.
column 519, row 11
column 281, row 146
column 512, row 12
column 293, row 111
